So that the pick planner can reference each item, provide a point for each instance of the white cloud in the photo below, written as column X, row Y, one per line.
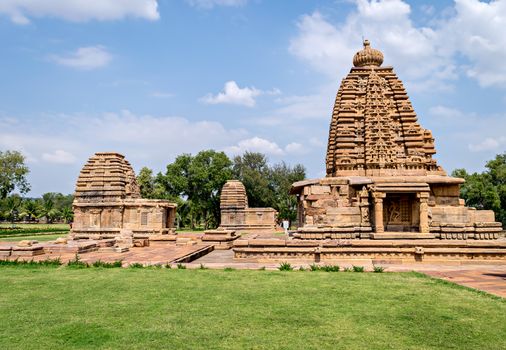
column 295, row 148
column 427, row 57
column 445, row 112
column 84, row 58
column 233, row 94
column 59, row 157
column 477, row 32
column 209, row 4
column 20, row 11
column 488, row 144
column 256, row 144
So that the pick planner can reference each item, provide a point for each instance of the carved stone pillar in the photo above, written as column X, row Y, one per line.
column 378, row 212
column 424, row 212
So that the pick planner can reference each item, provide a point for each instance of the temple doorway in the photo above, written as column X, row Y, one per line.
column 400, row 213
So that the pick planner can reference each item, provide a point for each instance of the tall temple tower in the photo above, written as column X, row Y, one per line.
column 374, row 129
column 381, row 180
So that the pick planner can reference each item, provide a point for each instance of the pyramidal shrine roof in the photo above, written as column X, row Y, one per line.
column 374, row 129
column 106, row 177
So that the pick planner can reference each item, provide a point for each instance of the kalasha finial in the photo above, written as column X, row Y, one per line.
column 368, row 57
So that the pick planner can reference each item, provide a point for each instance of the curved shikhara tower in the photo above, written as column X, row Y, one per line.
column 374, row 129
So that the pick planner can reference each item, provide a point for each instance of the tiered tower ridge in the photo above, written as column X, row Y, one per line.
column 374, row 129
column 106, row 177
column 233, row 195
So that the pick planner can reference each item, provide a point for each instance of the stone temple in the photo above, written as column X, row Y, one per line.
column 384, row 194
column 381, row 176
column 237, row 217
column 107, row 203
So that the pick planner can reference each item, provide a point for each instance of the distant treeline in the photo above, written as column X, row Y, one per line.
column 50, row 208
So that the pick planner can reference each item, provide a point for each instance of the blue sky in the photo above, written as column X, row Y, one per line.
column 154, row 79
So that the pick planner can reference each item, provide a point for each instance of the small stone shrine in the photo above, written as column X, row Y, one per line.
column 237, row 217
column 384, row 196
column 107, row 203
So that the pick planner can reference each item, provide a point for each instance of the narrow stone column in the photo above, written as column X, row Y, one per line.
column 424, row 212
column 378, row 212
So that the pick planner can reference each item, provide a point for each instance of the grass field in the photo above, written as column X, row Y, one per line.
column 37, row 237
column 35, row 226
column 18, row 232
column 65, row 308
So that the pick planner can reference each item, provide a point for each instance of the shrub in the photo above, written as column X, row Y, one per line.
column 228, row 269
column 100, row 263
column 77, row 263
column 285, row 267
column 378, row 269
column 314, row 267
column 358, row 268
column 262, row 268
column 181, row 266
column 202, row 267
column 50, row 262
column 167, row 266
column 136, row 265
column 302, row 268
column 31, row 263
column 347, row 269
column 330, row 268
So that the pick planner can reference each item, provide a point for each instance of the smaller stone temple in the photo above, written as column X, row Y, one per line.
column 107, row 203
column 237, row 217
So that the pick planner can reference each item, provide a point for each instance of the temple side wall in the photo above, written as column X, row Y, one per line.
column 249, row 219
column 94, row 220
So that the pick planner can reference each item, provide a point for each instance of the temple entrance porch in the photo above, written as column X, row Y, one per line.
column 401, row 213
column 404, row 210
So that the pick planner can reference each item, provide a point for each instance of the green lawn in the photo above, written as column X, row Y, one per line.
column 25, row 230
column 65, row 308
column 42, row 226
column 37, row 237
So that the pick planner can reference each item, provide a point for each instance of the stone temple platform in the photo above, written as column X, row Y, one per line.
column 154, row 253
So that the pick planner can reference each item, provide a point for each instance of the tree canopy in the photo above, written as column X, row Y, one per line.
column 486, row 190
column 13, row 172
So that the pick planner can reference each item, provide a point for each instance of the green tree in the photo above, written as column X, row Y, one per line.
column 198, row 180
column 146, row 183
column 486, row 190
column 269, row 186
column 253, row 171
column 13, row 172
column 47, row 208
column 282, row 176
column 67, row 214
column 12, row 207
column 29, row 210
